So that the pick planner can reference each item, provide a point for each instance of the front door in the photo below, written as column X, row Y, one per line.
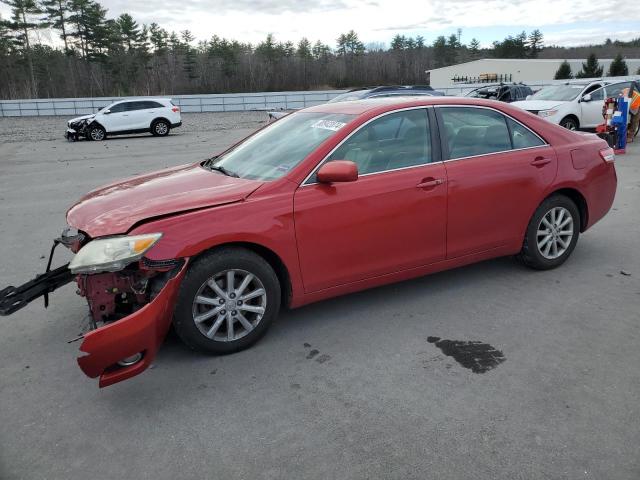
column 391, row 219
column 591, row 111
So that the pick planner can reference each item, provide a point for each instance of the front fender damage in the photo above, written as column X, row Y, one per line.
column 141, row 332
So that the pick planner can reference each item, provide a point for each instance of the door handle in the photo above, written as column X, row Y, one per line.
column 540, row 161
column 430, row 183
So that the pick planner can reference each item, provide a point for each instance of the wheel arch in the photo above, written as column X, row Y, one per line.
column 580, row 202
column 95, row 122
column 157, row 119
column 271, row 257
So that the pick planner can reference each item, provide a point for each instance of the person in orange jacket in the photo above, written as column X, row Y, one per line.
column 634, row 110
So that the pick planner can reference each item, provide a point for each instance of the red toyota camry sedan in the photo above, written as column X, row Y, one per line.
column 329, row 200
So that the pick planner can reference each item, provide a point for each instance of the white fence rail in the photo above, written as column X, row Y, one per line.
column 229, row 102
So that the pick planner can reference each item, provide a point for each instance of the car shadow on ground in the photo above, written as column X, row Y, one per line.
column 332, row 311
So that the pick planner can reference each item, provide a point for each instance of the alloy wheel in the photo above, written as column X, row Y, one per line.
column 555, row 232
column 229, row 305
column 161, row 128
column 97, row 134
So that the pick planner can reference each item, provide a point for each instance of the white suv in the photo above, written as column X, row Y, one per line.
column 154, row 115
column 573, row 105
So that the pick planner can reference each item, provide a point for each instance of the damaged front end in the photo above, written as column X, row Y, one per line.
column 130, row 300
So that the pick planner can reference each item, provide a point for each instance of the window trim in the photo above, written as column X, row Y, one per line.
column 445, row 147
column 436, row 149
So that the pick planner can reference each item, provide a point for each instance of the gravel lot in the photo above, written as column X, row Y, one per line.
column 348, row 388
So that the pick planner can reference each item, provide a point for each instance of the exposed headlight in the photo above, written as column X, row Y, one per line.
column 113, row 253
column 547, row 113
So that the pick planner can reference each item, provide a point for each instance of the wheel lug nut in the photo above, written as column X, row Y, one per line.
column 233, row 295
column 221, row 302
column 234, row 313
column 223, row 312
column 239, row 302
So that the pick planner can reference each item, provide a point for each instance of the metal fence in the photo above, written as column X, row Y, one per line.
column 229, row 102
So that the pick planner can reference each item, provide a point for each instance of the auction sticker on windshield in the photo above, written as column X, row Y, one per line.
column 328, row 125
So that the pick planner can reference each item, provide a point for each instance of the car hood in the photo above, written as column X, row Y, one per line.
column 538, row 104
column 117, row 207
column 83, row 117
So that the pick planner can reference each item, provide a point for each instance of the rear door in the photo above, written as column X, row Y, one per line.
column 139, row 115
column 497, row 170
column 392, row 218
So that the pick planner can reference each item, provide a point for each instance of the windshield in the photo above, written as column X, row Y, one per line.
column 346, row 97
column 561, row 93
column 279, row 147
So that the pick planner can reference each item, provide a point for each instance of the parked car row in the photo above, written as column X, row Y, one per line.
column 574, row 105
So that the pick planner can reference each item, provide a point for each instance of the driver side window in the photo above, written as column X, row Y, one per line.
column 117, row 108
column 597, row 94
column 394, row 141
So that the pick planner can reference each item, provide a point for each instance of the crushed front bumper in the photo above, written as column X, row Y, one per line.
column 109, row 348
column 141, row 332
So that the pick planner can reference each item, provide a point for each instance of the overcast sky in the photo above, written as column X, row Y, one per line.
column 563, row 22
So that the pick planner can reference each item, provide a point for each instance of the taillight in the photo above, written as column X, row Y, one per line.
column 608, row 155
column 175, row 109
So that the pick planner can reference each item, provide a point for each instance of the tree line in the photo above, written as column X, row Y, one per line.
column 102, row 56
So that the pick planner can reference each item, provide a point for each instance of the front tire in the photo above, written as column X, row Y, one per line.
column 569, row 123
column 227, row 301
column 160, row 128
column 96, row 133
column 552, row 234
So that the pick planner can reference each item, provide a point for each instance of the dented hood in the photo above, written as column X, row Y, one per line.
column 117, row 207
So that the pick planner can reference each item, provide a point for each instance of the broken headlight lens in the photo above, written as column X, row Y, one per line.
column 113, row 253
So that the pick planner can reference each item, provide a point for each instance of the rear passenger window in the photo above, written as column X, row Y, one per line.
column 150, row 104
column 523, row 137
column 397, row 140
column 474, row 131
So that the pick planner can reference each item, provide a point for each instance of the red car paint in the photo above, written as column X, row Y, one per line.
column 333, row 239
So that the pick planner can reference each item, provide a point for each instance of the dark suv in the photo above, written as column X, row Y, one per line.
column 501, row 92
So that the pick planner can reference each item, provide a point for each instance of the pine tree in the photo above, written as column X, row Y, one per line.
column 618, row 67
column 129, row 31
column 56, row 17
column 474, row 47
column 590, row 69
column 563, row 72
column 23, row 21
column 535, row 43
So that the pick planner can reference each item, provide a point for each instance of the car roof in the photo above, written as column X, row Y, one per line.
column 358, row 107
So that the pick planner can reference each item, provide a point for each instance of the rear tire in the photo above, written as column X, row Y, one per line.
column 220, row 319
column 552, row 234
column 160, row 128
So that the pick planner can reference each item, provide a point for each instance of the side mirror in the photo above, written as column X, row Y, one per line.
column 106, row 112
column 528, row 97
column 586, row 98
column 338, row 171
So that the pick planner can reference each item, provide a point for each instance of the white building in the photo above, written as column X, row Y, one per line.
column 525, row 70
